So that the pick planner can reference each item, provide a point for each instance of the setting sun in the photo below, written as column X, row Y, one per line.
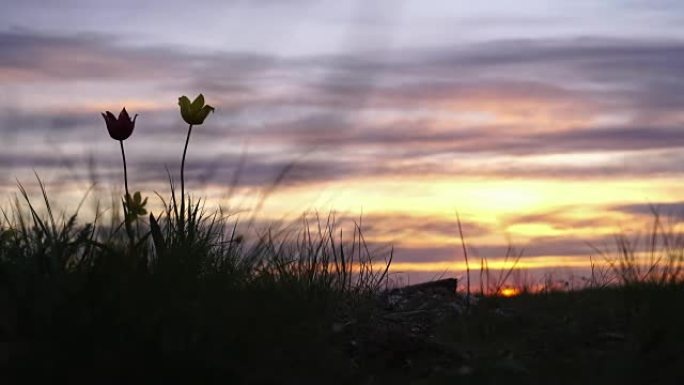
column 509, row 292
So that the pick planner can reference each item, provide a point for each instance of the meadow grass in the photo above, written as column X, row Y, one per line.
column 162, row 297
column 158, row 295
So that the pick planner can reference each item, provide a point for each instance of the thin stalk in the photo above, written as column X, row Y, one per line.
column 182, row 175
column 129, row 231
column 465, row 256
column 123, row 155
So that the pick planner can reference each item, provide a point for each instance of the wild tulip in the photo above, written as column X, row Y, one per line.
column 193, row 113
column 120, row 129
column 135, row 206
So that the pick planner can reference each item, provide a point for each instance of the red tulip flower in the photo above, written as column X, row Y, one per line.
column 121, row 128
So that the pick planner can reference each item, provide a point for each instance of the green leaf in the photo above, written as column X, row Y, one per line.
column 135, row 206
column 157, row 237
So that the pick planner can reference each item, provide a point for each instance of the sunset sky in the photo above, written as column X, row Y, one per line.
column 549, row 124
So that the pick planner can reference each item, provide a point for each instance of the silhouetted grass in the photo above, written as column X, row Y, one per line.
column 77, row 295
column 302, row 304
column 654, row 259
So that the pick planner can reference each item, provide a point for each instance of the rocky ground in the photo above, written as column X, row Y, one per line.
column 431, row 334
column 400, row 334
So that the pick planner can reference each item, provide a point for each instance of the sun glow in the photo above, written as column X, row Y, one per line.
column 509, row 292
column 487, row 200
column 539, row 262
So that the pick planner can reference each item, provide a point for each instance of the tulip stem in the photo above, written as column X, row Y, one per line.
column 127, row 199
column 123, row 155
column 185, row 150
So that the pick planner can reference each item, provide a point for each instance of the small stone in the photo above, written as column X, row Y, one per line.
column 395, row 300
column 612, row 336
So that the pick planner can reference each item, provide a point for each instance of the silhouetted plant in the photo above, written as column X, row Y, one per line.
column 194, row 113
column 121, row 129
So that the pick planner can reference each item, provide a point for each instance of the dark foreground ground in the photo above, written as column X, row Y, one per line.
column 128, row 331
column 627, row 335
